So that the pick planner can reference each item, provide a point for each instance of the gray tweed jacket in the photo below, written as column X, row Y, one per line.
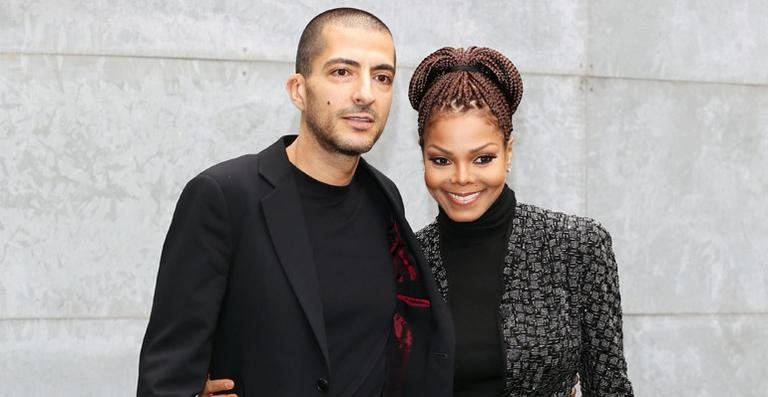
column 560, row 310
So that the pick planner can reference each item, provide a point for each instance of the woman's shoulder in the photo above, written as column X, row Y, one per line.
column 529, row 215
column 427, row 233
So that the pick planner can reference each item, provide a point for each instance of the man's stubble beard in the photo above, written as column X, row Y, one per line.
column 325, row 134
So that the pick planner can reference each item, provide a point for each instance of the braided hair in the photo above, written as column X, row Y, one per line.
column 459, row 80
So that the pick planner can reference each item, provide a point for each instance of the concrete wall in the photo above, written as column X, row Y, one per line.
column 650, row 116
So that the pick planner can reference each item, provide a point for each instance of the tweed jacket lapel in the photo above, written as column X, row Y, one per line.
column 429, row 238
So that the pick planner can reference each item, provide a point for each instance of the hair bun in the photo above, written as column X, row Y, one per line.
column 434, row 65
column 491, row 63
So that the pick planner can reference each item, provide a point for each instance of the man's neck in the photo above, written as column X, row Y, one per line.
column 311, row 158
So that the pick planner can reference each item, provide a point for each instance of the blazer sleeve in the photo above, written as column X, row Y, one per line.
column 603, row 369
column 191, row 282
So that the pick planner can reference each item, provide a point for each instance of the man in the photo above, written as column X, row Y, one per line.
column 293, row 272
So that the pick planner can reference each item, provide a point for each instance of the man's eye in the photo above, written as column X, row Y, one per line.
column 341, row 72
column 384, row 79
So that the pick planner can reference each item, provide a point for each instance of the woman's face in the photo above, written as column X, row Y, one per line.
column 465, row 163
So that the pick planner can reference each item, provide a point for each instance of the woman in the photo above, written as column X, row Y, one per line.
column 534, row 293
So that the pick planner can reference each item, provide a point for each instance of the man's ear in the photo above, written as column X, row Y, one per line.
column 296, row 88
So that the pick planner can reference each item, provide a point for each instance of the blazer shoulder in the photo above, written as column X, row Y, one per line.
column 388, row 186
column 240, row 182
column 559, row 222
column 245, row 166
column 386, row 183
column 427, row 235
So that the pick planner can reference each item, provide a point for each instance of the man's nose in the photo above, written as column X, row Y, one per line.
column 363, row 94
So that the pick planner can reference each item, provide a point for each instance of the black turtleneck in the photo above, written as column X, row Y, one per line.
column 473, row 255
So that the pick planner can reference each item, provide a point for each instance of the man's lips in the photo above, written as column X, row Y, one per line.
column 359, row 121
column 463, row 198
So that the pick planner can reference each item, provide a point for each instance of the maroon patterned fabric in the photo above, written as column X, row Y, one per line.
column 408, row 287
column 404, row 269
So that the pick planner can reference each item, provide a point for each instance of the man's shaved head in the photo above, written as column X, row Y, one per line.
column 311, row 42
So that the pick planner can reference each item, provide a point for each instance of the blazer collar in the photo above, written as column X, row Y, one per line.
column 274, row 166
column 389, row 190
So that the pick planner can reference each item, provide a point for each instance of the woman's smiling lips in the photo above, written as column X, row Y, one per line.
column 463, row 198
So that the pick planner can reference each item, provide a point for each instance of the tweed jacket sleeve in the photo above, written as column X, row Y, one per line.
column 603, row 369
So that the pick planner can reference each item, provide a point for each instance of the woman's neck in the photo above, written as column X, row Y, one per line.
column 495, row 219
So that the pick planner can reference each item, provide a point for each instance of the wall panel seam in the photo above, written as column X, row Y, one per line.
column 402, row 67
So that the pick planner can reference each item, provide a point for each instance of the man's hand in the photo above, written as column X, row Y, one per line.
column 217, row 385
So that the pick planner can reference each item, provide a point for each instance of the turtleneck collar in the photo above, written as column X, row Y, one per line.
column 495, row 219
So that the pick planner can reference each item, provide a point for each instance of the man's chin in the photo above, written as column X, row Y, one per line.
column 348, row 143
column 357, row 147
column 352, row 150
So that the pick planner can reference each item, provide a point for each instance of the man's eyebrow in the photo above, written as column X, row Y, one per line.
column 344, row 61
column 350, row 62
column 385, row 66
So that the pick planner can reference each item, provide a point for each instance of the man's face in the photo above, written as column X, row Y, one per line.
column 349, row 90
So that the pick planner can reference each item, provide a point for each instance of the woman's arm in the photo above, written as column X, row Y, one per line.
column 603, row 369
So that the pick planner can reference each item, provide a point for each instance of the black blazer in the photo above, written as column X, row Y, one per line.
column 237, row 293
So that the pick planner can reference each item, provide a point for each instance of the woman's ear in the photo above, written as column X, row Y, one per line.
column 508, row 153
column 296, row 88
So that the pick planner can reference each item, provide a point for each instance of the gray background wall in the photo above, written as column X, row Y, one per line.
column 649, row 116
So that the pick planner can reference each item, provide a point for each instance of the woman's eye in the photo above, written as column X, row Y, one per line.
column 484, row 159
column 439, row 161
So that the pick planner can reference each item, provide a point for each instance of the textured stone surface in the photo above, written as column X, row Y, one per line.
column 94, row 154
column 195, row 29
column 548, row 160
column 96, row 145
column 701, row 40
column 543, row 36
column 677, row 174
column 722, row 355
column 70, row 358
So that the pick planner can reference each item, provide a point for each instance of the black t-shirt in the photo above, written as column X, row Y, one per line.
column 348, row 228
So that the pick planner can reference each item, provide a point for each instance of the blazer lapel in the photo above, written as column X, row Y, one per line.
column 427, row 280
column 287, row 227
